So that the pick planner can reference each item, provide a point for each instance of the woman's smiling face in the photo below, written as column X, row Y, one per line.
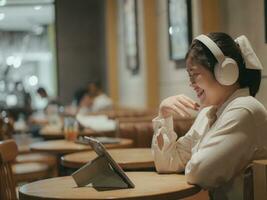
column 204, row 84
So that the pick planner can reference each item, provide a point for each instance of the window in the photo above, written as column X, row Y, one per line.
column 180, row 33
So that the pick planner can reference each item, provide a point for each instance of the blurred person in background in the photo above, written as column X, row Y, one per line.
column 84, row 101
column 44, row 100
column 47, row 112
column 18, row 102
column 100, row 100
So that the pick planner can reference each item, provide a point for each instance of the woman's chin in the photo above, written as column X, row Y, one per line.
column 203, row 101
column 202, row 98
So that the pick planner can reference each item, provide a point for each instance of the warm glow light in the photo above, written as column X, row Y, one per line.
column 33, row 80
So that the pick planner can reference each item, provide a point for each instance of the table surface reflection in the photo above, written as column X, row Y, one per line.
column 148, row 185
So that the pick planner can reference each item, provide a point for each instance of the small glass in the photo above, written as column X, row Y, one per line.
column 71, row 129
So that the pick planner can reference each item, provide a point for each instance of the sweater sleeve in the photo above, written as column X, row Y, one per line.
column 225, row 153
column 174, row 154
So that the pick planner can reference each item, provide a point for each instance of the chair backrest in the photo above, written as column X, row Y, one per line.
column 260, row 179
column 140, row 129
column 248, row 190
column 8, row 152
column 240, row 187
column 6, row 128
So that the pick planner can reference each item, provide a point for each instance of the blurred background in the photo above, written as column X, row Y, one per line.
column 62, row 62
column 135, row 48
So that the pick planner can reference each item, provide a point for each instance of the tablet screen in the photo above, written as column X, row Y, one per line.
column 101, row 151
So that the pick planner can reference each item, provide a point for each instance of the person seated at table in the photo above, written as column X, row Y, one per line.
column 44, row 100
column 78, row 95
column 230, row 129
column 46, row 111
column 100, row 100
column 74, row 107
column 85, row 103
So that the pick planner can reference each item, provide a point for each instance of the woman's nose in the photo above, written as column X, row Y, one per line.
column 192, row 80
column 192, row 84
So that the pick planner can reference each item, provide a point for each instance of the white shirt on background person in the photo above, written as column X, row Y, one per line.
column 101, row 102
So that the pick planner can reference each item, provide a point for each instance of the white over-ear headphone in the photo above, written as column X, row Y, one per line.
column 226, row 70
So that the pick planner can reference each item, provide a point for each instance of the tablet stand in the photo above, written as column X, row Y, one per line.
column 100, row 174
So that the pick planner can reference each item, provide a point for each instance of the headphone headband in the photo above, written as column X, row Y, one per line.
column 226, row 70
column 212, row 46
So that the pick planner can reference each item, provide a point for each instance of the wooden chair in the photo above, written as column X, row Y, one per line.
column 260, row 179
column 6, row 128
column 8, row 152
column 119, row 112
column 31, row 166
column 140, row 129
column 144, row 131
column 128, row 131
column 148, row 118
column 248, row 190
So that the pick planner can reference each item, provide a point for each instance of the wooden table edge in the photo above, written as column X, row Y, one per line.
column 57, row 151
column 170, row 196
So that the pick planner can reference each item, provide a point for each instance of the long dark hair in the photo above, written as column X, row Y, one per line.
column 200, row 54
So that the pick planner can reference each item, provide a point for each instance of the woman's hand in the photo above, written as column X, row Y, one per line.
column 177, row 105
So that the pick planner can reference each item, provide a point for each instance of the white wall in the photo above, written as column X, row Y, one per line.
column 132, row 88
column 237, row 17
column 246, row 17
column 172, row 80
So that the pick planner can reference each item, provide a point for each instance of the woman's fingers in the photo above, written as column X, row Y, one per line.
column 182, row 109
column 186, row 103
column 189, row 102
column 177, row 105
column 188, row 99
column 178, row 111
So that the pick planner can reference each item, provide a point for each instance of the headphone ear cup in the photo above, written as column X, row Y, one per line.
column 227, row 72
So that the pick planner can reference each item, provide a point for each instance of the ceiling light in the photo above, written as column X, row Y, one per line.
column 37, row 7
column 2, row 2
column 37, row 29
column 171, row 30
column 11, row 100
column 10, row 60
column 2, row 16
column 17, row 62
column 33, row 80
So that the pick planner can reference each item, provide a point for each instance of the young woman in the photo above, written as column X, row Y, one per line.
column 230, row 130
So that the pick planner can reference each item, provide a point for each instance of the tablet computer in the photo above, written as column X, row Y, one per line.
column 100, row 149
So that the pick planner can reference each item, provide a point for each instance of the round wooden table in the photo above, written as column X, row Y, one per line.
column 64, row 146
column 128, row 159
column 148, row 185
column 59, row 134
